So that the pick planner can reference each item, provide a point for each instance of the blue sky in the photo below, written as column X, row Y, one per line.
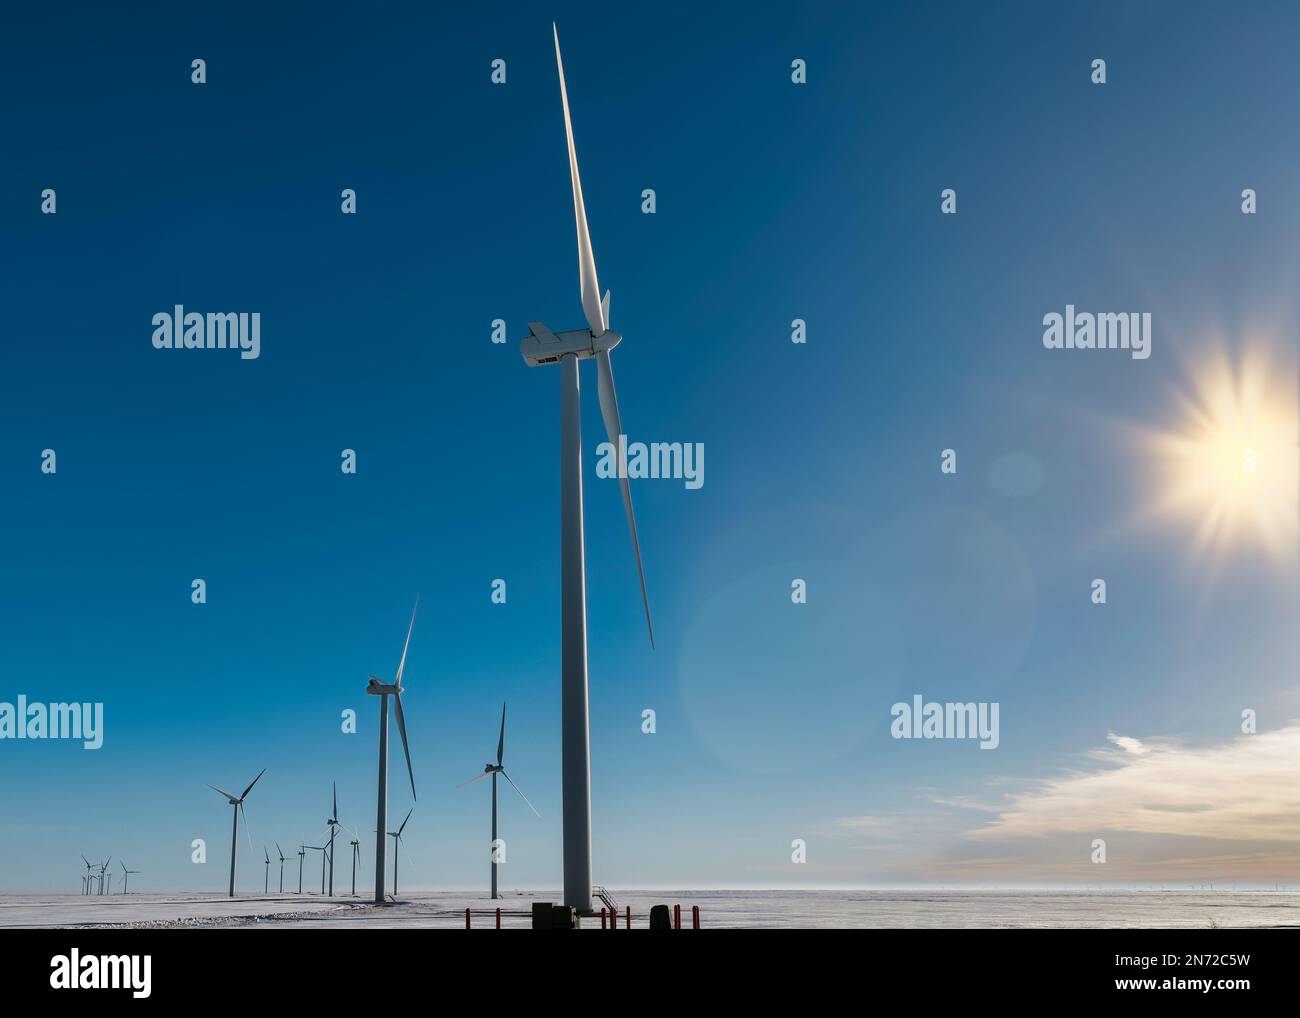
column 775, row 202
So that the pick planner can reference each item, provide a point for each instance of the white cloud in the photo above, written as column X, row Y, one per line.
column 1247, row 789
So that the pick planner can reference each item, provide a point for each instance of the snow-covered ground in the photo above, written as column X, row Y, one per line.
column 719, row 909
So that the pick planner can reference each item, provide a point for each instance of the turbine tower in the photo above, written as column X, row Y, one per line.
column 238, row 804
column 266, row 883
column 494, row 770
column 384, row 691
column 542, row 346
column 302, row 854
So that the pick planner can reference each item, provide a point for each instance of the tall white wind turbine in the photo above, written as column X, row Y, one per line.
column 384, row 691
column 542, row 346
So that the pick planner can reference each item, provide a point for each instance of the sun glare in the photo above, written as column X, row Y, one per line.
column 1228, row 467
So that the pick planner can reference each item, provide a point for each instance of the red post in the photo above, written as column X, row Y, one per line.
column 677, row 917
column 629, row 918
column 467, row 926
column 499, row 918
column 602, row 918
column 695, row 917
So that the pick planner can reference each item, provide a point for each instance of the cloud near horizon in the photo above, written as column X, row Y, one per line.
column 1247, row 789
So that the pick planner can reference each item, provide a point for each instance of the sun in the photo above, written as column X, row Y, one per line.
column 1228, row 466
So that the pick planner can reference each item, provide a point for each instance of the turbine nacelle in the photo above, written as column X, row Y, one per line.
column 377, row 688
column 542, row 346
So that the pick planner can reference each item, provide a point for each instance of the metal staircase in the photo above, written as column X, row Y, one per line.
column 603, row 894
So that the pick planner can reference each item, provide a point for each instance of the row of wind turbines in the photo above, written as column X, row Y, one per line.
column 101, row 883
column 333, row 824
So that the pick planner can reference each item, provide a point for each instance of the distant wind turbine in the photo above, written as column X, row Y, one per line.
column 397, row 840
column 126, row 874
column 384, row 691
column 85, row 880
column 266, row 883
column 356, row 854
column 280, row 852
column 332, row 823
column 238, row 804
column 103, row 866
column 324, row 850
column 542, row 346
column 302, row 853
column 494, row 770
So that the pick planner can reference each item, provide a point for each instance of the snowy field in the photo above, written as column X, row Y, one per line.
column 719, row 909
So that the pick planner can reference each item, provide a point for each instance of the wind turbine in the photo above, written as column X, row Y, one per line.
column 384, row 691
column 238, row 803
column 397, row 840
column 266, row 883
column 85, row 881
column 324, row 851
column 356, row 855
column 102, row 868
column 126, row 874
column 302, row 853
column 110, row 883
column 542, row 346
column 280, row 852
column 332, row 823
column 494, row 770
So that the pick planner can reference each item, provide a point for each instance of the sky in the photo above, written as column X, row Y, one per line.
column 775, row 201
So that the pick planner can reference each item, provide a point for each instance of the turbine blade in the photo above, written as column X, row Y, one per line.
column 248, row 831
column 401, row 728
column 401, row 665
column 335, row 814
column 614, row 428
column 591, row 305
column 251, row 784
column 501, row 743
column 221, row 791
column 471, row 781
column 521, row 794
column 403, row 827
column 279, row 851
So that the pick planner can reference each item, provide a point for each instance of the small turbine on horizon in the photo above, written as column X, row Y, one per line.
column 332, row 823
column 494, row 770
column 126, row 874
column 238, row 804
column 384, row 691
column 397, row 840
column 280, row 852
